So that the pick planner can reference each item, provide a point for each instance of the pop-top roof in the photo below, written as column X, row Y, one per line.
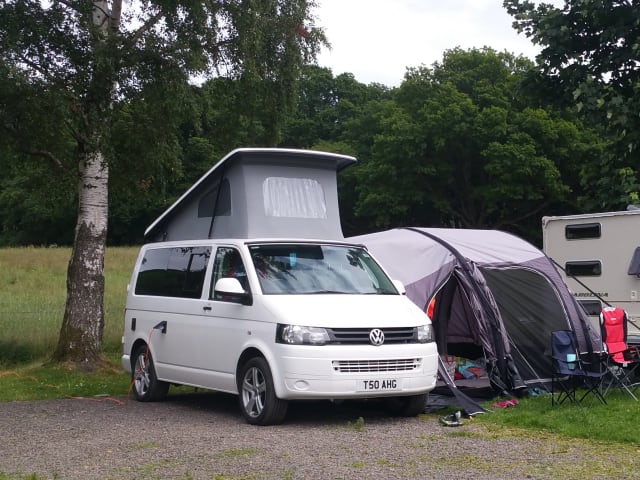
column 259, row 192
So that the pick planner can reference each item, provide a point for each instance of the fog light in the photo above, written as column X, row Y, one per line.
column 301, row 385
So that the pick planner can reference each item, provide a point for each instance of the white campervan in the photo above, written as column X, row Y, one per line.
column 271, row 318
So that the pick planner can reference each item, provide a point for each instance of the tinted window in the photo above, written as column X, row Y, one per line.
column 228, row 263
column 173, row 272
column 587, row 268
column 582, row 230
column 591, row 307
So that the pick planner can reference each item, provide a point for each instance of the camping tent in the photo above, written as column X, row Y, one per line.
column 496, row 296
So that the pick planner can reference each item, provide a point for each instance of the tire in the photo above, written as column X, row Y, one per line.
column 146, row 386
column 257, row 396
column 408, row 406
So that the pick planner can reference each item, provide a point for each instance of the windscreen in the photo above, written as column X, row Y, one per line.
column 318, row 269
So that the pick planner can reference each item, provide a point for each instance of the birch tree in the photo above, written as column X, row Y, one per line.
column 67, row 64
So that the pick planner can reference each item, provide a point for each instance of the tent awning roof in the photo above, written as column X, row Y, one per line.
column 410, row 256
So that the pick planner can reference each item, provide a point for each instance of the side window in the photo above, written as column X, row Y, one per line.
column 173, row 272
column 228, row 263
column 586, row 268
column 579, row 231
column 591, row 307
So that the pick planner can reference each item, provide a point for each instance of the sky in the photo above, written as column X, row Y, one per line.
column 376, row 40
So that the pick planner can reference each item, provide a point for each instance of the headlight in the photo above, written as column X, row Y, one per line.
column 425, row 333
column 300, row 335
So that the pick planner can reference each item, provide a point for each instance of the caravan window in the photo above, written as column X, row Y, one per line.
column 293, row 198
column 580, row 231
column 591, row 307
column 585, row 268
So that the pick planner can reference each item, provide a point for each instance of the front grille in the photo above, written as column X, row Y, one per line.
column 366, row 366
column 361, row 335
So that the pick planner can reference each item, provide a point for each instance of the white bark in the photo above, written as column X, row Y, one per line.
column 81, row 334
column 80, row 338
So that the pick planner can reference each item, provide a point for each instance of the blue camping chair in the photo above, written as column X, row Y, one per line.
column 571, row 373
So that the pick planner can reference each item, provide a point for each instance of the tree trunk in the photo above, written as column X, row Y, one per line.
column 80, row 338
column 81, row 333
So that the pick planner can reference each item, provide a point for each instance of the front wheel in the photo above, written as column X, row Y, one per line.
column 257, row 395
column 146, row 386
column 408, row 406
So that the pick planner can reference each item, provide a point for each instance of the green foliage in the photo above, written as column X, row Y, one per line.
column 589, row 62
column 325, row 105
column 462, row 146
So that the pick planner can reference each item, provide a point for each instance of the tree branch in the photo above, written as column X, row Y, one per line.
column 67, row 4
column 116, row 14
column 55, row 161
column 151, row 21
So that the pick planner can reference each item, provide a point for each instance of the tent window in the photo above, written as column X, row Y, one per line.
column 582, row 230
column 591, row 307
column 293, row 198
column 587, row 268
column 634, row 266
column 208, row 201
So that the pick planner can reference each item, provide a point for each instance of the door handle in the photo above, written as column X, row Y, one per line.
column 207, row 308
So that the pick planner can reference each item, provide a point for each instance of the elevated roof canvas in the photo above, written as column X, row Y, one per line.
column 259, row 192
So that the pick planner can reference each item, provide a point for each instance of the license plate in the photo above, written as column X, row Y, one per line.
column 381, row 385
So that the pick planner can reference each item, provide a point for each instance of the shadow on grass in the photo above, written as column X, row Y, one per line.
column 13, row 353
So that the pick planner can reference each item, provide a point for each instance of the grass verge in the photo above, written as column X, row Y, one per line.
column 33, row 295
column 46, row 380
column 606, row 423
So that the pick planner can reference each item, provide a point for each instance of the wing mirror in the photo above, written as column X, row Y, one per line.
column 230, row 290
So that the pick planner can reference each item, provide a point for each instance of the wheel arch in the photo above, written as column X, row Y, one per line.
column 137, row 344
column 254, row 351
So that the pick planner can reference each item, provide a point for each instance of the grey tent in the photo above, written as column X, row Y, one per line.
column 494, row 293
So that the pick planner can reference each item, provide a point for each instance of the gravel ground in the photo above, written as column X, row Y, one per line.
column 203, row 436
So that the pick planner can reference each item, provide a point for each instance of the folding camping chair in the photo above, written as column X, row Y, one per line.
column 621, row 360
column 571, row 373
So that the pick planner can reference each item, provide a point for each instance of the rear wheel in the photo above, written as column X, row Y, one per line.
column 408, row 406
column 257, row 395
column 146, row 386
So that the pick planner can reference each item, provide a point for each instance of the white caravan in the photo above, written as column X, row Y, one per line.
column 234, row 292
column 598, row 255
